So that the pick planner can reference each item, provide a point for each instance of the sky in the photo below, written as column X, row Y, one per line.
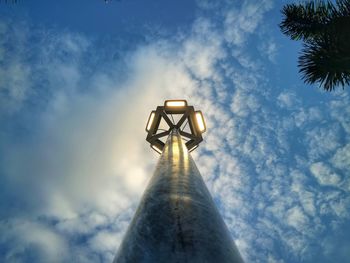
column 78, row 80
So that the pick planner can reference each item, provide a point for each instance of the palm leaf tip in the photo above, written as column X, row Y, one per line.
column 306, row 21
column 320, row 63
column 324, row 28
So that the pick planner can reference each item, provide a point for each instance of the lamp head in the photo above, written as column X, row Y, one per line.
column 187, row 116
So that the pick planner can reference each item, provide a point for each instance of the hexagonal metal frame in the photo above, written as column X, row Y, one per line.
column 188, row 113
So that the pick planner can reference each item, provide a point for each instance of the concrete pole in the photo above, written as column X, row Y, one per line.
column 177, row 220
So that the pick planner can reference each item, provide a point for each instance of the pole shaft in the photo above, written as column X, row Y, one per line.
column 177, row 220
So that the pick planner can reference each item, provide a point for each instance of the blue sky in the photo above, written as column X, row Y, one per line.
column 77, row 83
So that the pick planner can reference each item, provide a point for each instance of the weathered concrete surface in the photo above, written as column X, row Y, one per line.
column 177, row 220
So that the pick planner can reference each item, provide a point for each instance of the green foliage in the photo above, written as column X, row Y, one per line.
column 324, row 28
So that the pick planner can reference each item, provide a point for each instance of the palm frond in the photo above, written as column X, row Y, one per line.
column 306, row 21
column 343, row 8
column 322, row 62
column 324, row 28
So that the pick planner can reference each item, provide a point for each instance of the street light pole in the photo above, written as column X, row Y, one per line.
column 177, row 220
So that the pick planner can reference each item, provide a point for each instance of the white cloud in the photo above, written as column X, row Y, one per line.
column 341, row 158
column 106, row 241
column 296, row 218
column 324, row 175
column 269, row 49
column 241, row 21
column 203, row 49
column 272, row 259
column 323, row 140
column 25, row 235
column 288, row 99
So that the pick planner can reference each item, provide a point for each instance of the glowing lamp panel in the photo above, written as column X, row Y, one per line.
column 150, row 121
column 156, row 149
column 175, row 103
column 200, row 121
column 193, row 148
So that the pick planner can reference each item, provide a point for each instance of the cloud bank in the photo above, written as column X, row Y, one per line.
column 74, row 162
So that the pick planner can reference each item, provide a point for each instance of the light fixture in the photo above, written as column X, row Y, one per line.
column 175, row 103
column 200, row 121
column 150, row 120
column 156, row 149
column 190, row 124
column 193, row 148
